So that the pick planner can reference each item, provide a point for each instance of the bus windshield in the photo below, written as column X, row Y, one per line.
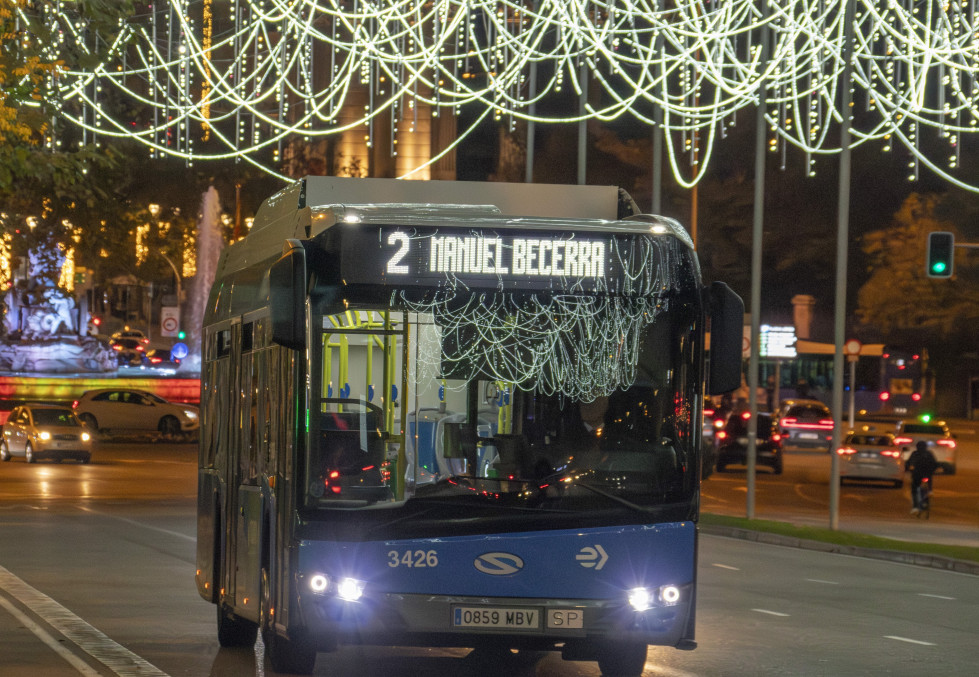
column 604, row 428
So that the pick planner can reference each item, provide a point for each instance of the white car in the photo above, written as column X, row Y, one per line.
column 129, row 409
column 936, row 434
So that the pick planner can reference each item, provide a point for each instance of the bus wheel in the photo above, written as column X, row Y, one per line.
column 291, row 656
column 622, row 659
column 234, row 630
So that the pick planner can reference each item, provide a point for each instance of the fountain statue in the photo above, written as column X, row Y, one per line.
column 41, row 323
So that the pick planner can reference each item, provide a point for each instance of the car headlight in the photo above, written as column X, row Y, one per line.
column 86, row 437
column 44, row 435
column 189, row 413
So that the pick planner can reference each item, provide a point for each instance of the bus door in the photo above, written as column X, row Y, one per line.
column 244, row 488
column 365, row 362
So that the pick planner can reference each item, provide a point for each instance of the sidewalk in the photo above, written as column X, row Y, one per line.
column 913, row 530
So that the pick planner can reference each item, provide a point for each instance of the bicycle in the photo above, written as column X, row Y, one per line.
column 923, row 498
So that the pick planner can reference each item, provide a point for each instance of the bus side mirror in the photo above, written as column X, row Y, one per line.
column 726, row 336
column 287, row 297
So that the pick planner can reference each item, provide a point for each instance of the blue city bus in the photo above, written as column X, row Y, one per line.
column 457, row 414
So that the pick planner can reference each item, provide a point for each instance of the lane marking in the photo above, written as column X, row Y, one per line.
column 141, row 525
column 120, row 660
column 725, row 566
column 770, row 613
column 925, row 594
column 819, row 580
column 909, row 641
column 53, row 644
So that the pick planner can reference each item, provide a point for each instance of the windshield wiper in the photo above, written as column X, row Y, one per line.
column 612, row 497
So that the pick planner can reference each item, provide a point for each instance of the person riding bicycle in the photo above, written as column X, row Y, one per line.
column 922, row 465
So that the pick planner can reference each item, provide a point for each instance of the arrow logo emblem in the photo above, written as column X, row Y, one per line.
column 592, row 557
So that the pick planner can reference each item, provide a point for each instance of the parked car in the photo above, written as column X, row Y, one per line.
column 129, row 409
column 805, row 425
column 40, row 431
column 732, row 446
column 871, row 456
column 940, row 441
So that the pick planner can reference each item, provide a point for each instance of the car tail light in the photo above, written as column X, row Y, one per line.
column 776, row 437
column 721, row 434
column 718, row 423
column 789, row 421
column 893, row 453
column 156, row 360
column 902, row 440
column 846, row 451
column 746, row 415
column 828, row 422
column 884, row 396
column 708, row 412
column 916, row 397
column 947, row 443
column 139, row 349
column 74, row 405
column 117, row 347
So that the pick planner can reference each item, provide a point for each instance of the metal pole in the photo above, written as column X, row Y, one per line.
column 180, row 296
column 842, row 242
column 756, row 239
column 853, row 389
column 583, row 123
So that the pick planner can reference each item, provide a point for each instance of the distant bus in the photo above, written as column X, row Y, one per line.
column 889, row 379
column 427, row 421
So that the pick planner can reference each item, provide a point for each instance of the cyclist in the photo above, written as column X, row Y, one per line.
column 922, row 465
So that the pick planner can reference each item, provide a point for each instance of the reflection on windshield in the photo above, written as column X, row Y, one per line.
column 438, row 439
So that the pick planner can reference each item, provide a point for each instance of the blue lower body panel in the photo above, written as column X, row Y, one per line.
column 522, row 589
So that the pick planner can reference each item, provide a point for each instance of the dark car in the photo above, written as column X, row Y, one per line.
column 805, row 425
column 732, row 447
column 129, row 351
column 161, row 358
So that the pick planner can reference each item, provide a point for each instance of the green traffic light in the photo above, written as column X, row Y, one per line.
column 181, row 335
column 938, row 267
column 925, row 418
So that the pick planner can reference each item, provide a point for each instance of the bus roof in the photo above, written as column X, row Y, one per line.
column 513, row 199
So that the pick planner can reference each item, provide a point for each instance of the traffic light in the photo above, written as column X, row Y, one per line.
column 940, row 261
column 181, row 334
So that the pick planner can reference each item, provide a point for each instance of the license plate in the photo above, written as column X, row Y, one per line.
column 496, row 617
column 870, row 455
column 808, row 436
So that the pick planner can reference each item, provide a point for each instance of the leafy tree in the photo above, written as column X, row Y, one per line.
column 63, row 188
column 899, row 300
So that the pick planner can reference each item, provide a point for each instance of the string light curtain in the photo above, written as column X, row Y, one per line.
column 243, row 78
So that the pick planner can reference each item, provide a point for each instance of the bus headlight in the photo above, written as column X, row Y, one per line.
column 86, row 437
column 347, row 589
column 669, row 595
column 319, row 583
column 350, row 589
column 640, row 599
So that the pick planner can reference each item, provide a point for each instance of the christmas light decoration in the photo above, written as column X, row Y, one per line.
column 579, row 345
column 245, row 78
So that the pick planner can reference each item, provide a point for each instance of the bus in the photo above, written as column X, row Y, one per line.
column 888, row 380
column 457, row 414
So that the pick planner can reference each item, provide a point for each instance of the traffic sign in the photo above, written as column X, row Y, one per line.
column 179, row 350
column 852, row 347
column 169, row 320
